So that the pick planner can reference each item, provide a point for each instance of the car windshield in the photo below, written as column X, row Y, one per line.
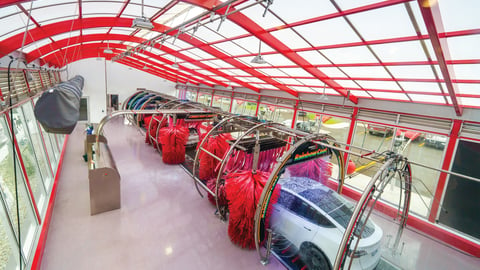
column 336, row 207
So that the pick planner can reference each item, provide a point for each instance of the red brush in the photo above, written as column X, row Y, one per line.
column 243, row 190
column 222, row 198
column 317, row 169
column 173, row 139
column 218, row 146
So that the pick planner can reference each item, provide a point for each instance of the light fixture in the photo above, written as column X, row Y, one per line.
column 258, row 59
column 108, row 51
column 145, row 67
column 142, row 22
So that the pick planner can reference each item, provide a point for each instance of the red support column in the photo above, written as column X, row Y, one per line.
column 231, row 103
column 26, row 80
column 295, row 111
column 258, row 106
column 442, row 179
column 353, row 123
column 196, row 98
column 41, row 80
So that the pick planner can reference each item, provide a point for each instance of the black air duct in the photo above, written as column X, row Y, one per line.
column 58, row 108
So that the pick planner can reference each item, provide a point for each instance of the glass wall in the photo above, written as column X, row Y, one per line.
column 417, row 146
column 336, row 127
column 204, row 98
column 191, row 95
column 222, row 102
column 8, row 185
column 244, row 107
column 276, row 114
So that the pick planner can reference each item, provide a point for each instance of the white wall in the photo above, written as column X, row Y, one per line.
column 119, row 80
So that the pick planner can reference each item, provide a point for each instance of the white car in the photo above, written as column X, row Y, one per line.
column 313, row 218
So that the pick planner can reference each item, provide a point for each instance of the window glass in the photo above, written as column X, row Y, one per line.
column 204, row 98
column 8, row 245
column 52, row 154
column 244, row 107
column 191, row 95
column 28, row 223
column 29, row 159
column 275, row 113
column 222, row 102
column 37, row 143
column 323, row 123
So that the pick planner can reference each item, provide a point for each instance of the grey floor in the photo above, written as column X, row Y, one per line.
column 164, row 224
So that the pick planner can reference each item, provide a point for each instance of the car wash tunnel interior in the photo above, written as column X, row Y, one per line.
column 235, row 134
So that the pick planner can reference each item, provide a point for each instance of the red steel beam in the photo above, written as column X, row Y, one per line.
column 101, row 37
column 433, row 21
column 266, row 37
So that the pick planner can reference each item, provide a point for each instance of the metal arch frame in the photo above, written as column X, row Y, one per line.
column 197, row 154
column 377, row 184
column 274, row 177
column 225, row 158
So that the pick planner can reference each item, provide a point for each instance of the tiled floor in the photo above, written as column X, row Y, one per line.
column 164, row 224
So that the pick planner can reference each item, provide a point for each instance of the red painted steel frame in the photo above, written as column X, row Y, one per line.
column 37, row 259
column 431, row 16
column 442, row 179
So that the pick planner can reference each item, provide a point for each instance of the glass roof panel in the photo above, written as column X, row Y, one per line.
column 153, row 3
column 348, row 83
column 134, row 8
column 412, row 72
column 104, row 8
column 469, row 88
column 251, row 44
column 272, row 72
column 247, row 61
column 303, row 89
column 359, row 93
column 348, row 55
column 454, row 14
column 146, row 34
column 419, row 18
column 210, row 63
column 66, row 35
column 382, row 23
column 349, row 4
column 327, row 90
column 332, row 72
column 221, row 63
column 189, row 13
column 36, row 45
column 421, row 86
column 278, row 60
column 465, row 47
column 98, row 30
column 202, row 54
column 290, row 38
column 296, row 72
column 288, row 81
column 366, row 72
column 314, row 57
column 400, row 51
column 474, row 102
column 206, row 34
column 170, row 14
column 333, row 31
column 13, row 24
column 49, row 12
column 189, row 65
column 255, row 13
column 229, row 29
column 387, row 85
column 467, row 72
column 427, row 98
column 238, row 72
column 311, row 82
column 388, row 95
column 122, row 30
column 303, row 10
column 230, row 48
